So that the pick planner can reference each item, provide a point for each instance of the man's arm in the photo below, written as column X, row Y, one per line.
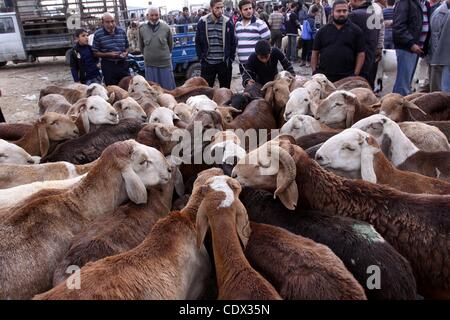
column 314, row 60
column 140, row 41
column 287, row 65
column 249, row 73
column 74, row 67
column 170, row 40
column 264, row 31
column 359, row 62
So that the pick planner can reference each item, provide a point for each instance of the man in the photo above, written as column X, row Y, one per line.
column 111, row 44
column 411, row 37
column 263, row 15
column 156, row 42
column 363, row 16
column 185, row 18
column 292, row 26
column 275, row 22
column 262, row 65
column 327, row 9
column 320, row 18
column 439, row 48
column 388, row 16
column 215, row 43
column 249, row 30
column 338, row 49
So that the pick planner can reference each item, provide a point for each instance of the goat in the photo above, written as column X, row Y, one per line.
column 74, row 95
column 124, row 171
column 397, row 216
column 12, row 175
column 121, row 231
column 221, row 210
column 341, row 109
column 166, row 265
column 349, row 239
column 12, row 154
column 53, row 103
column 50, row 129
column 129, row 108
column 89, row 147
column 354, row 150
column 402, row 152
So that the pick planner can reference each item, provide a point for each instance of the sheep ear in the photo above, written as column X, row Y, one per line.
column 267, row 85
column 287, row 193
column 162, row 133
column 133, row 185
column 179, row 183
column 289, row 198
column 367, row 159
column 375, row 107
column 89, row 91
column 112, row 97
column 201, row 226
column 350, row 116
column 175, row 117
column 242, row 223
column 85, row 118
column 234, row 110
column 118, row 105
column 75, row 109
column 44, row 143
column 410, row 105
column 269, row 95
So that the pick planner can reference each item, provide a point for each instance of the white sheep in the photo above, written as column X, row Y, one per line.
column 164, row 116
column 201, row 102
column 13, row 154
column 303, row 125
column 300, row 102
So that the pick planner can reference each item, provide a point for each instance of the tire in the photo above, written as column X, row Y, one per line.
column 194, row 70
column 3, row 63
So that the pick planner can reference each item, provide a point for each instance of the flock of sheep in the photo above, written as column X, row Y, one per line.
column 349, row 200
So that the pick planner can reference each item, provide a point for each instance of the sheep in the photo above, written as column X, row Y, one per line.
column 129, row 108
column 89, row 147
column 13, row 131
column 228, row 113
column 302, row 125
column 435, row 104
column 73, row 95
column 303, row 270
column 138, row 84
column 425, row 137
column 91, row 112
column 123, row 172
column 50, row 129
column 327, row 87
column 443, row 126
column 121, row 231
column 12, row 175
column 397, row 108
column 351, row 240
column 365, row 96
column 147, row 101
column 229, row 145
column 159, row 137
column 314, row 139
column 221, row 210
column 117, row 92
column 298, row 82
column 257, row 115
column 285, row 75
column 166, row 265
column 201, row 102
column 53, row 103
column 239, row 101
column 182, row 94
column 164, row 116
column 166, row 100
column 15, row 195
column 397, row 216
column 299, row 103
column 12, row 154
column 350, row 83
column 222, row 95
column 402, row 152
column 277, row 95
column 341, row 109
column 184, row 112
column 354, row 150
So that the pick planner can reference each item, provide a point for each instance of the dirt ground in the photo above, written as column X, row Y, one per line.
column 20, row 85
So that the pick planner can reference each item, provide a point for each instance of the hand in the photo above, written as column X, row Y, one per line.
column 378, row 54
column 123, row 54
column 416, row 49
column 115, row 54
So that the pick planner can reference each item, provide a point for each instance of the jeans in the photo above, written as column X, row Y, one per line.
column 98, row 80
column 221, row 70
column 307, row 46
column 275, row 38
column 445, row 86
column 292, row 48
column 406, row 66
column 114, row 71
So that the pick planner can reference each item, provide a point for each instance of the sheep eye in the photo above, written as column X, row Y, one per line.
column 91, row 108
column 3, row 156
column 155, row 119
column 349, row 148
column 306, row 100
column 53, row 123
column 145, row 162
column 126, row 108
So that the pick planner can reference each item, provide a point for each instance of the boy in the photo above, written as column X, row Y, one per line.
column 83, row 64
column 262, row 65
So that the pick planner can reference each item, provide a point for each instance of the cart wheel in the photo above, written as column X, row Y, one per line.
column 194, row 70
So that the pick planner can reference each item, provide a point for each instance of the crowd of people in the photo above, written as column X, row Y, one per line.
column 345, row 39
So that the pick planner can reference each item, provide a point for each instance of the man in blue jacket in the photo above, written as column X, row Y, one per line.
column 215, row 43
column 411, row 32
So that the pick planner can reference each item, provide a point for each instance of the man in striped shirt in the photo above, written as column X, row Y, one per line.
column 111, row 44
column 249, row 30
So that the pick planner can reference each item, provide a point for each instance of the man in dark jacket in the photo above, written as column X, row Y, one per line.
column 411, row 36
column 361, row 16
column 215, row 43
column 262, row 65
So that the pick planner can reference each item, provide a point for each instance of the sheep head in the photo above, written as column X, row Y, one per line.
column 352, row 150
column 129, row 108
column 327, row 87
column 184, row 112
column 299, row 103
column 94, row 110
column 96, row 89
column 228, row 113
column 397, row 108
column 164, row 116
column 301, row 125
column 141, row 167
column 277, row 93
column 221, row 192
column 338, row 109
column 13, row 154
column 271, row 167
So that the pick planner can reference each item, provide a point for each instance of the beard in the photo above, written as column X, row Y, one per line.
column 340, row 21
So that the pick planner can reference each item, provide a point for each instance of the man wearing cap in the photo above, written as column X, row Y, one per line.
column 262, row 65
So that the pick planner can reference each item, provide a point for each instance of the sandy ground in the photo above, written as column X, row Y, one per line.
column 20, row 85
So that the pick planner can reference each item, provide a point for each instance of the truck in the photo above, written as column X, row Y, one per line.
column 41, row 28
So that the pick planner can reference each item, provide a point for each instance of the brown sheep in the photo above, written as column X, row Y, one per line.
column 222, row 210
column 443, row 126
column 14, row 131
column 117, row 93
column 158, row 136
column 39, row 232
column 416, row 225
column 129, row 108
column 73, row 95
column 222, row 96
column 50, row 129
column 350, row 83
column 277, row 95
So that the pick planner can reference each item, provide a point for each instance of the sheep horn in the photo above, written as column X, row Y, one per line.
column 268, row 84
